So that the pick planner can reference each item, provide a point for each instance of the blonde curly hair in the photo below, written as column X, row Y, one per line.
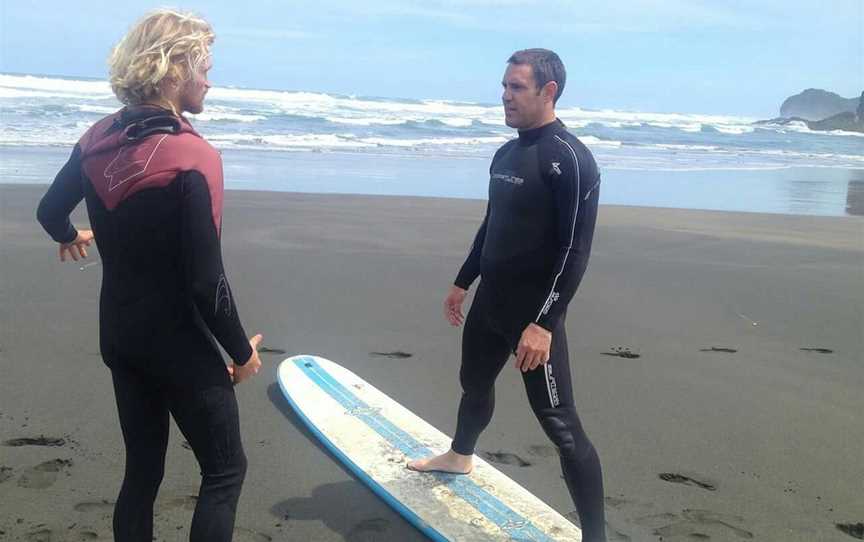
column 165, row 43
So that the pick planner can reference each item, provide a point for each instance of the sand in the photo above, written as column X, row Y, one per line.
column 717, row 362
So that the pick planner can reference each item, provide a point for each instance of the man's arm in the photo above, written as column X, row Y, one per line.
column 205, row 275
column 470, row 269
column 64, row 194
column 576, row 209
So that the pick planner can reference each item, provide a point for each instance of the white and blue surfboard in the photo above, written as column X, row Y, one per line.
column 374, row 436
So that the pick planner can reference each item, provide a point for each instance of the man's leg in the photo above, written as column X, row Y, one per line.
column 209, row 419
column 484, row 353
column 143, row 412
column 551, row 396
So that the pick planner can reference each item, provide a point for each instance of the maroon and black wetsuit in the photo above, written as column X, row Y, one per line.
column 154, row 191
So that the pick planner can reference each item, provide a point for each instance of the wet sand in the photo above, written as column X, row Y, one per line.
column 717, row 362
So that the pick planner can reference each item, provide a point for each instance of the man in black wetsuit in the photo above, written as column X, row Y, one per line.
column 154, row 190
column 530, row 252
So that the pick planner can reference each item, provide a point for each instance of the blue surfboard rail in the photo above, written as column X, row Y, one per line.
column 515, row 525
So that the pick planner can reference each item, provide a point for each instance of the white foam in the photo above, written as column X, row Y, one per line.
column 455, row 141
column 597, row 142
column 102, row 110
column 366, row 121
column 327, row 141
column 236, row 117
column 311, row 141
column 30, row 85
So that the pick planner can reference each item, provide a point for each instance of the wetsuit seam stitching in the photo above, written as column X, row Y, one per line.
column 572, row 229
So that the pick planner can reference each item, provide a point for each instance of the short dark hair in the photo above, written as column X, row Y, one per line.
column 545, row 64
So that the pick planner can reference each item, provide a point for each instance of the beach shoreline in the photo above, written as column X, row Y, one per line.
column 795, row 190
column 716, row 356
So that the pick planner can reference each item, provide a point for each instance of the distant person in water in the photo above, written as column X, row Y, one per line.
column 154, row 191
column 530, row 253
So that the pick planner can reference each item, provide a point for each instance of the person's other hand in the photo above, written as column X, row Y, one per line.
column 453, row 305
column 78, row 247
column 239, row 373
column 533, row 349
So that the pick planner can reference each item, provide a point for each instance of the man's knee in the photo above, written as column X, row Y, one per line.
column 227, row 474
column 236, row 467
column 565, row 432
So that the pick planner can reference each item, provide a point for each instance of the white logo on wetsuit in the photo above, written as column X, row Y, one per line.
column 552, row 299
column 223, row 297
column 131, row 161
column 556, row 169
column 552, row 385
column 512, row 179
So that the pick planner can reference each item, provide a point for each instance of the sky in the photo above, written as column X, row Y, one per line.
column 684, row 56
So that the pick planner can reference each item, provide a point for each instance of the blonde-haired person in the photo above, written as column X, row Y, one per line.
column 154, row 192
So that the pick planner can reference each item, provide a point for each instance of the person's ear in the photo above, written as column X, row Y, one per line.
column 550, row 89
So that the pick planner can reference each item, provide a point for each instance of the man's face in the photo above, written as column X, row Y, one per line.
column 194, row 89
column 524, row 105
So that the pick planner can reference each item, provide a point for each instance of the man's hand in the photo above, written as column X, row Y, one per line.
column 533, row 349
column 77, row 248
column 453, row 305
column 239, row 373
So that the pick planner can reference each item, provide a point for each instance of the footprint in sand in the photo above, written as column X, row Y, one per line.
column 396, row 354
column 855, row 530
column 41, row 440
column 84, row 536
column 268, row 350
column 614, row 535
column 699, row 524
column 368, row 530
column 542, row 450
column 614, row 502
column 656, row 520
column 622, row 352
column 40, row 535
column 104, row 506
column 241, row 534
column 504, row 458
column 817, row 350
column 676, row 478
column 5, row 473
column 44, row 474
column 184, row 502
column 722, row 349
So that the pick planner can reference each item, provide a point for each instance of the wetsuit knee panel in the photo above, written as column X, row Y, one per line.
column 567, row 436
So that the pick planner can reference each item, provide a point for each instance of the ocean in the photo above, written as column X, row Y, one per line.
column 314, row 142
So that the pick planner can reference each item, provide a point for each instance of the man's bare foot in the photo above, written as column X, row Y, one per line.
column 447, row 462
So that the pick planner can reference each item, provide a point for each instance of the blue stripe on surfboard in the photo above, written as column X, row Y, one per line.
column 377, row 488
column 509, row 521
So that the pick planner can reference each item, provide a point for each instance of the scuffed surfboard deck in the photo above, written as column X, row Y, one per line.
column 374, row 436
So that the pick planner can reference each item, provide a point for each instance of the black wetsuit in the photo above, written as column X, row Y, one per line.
column 153, row 189
column 531, row 252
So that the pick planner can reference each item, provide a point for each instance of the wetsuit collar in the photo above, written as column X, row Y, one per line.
column 529, row 137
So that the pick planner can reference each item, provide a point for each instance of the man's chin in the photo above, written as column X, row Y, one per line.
column 513, row 123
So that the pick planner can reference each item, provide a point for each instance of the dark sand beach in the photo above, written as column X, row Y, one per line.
column 718, row 365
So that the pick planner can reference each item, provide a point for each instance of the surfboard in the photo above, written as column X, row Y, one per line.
column 374, row 437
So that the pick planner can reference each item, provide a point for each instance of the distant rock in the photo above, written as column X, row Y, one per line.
column 850, row 120
column 816, row 104
column 782, row 121
column 842, row 121
column 860, row 110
